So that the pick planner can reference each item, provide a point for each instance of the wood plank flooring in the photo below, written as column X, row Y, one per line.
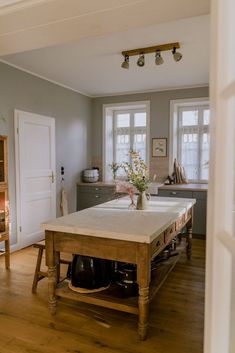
column 176, row 315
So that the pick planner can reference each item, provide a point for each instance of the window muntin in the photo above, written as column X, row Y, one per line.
column 193, row 141
column 130, row 133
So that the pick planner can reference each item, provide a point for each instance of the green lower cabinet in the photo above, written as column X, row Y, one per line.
column 92, row 195
column 199, row 219
column 199, row 216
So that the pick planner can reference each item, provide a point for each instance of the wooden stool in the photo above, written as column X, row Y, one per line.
column 38, row 275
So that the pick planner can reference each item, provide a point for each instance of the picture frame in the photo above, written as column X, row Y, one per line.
column 159, row 147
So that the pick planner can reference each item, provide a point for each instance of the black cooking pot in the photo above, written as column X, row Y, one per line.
column 126, row 279
column 90, row 272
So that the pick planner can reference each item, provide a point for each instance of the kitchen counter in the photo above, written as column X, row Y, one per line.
column 152, row 189
column 191, row 187
column 98, row 183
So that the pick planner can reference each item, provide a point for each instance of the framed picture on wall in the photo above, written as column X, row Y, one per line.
column 159, row 147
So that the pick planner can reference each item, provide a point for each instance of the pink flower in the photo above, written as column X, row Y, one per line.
column 126, row 188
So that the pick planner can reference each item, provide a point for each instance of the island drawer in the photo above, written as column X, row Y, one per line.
column 180, row 222
column 188, row 214
column 170, row 233
column 157, row 245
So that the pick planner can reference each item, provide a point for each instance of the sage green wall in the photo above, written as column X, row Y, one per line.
column 159, row 120
column 72, row 113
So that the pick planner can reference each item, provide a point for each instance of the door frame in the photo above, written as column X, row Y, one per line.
column 220, row 242
column 17, row 113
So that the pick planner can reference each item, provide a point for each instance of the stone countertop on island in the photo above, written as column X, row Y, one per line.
column 114, row 220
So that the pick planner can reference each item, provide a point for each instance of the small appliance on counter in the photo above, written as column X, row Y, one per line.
column 90, row 175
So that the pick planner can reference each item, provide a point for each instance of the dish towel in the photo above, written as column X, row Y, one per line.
column 63, row 201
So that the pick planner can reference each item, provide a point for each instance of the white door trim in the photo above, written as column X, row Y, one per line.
column 109, row 109
column 17, row 171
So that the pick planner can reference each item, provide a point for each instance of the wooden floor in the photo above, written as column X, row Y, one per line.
column 176, row 315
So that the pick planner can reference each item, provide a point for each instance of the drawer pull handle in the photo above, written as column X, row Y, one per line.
column 173, row 193
column 97, row 196
column 96, row 189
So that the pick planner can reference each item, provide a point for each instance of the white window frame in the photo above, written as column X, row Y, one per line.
column 173, row 127
column 109, row 110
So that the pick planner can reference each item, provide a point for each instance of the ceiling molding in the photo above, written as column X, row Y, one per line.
column 150, row 91
column 44, row 78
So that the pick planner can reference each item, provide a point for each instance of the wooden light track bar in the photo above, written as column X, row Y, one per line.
column 153, row 49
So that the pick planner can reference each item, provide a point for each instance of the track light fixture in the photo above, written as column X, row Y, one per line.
column 125, row 64
column 141, row 61
column 176, row 55
column 158, row 58
column 157, row 49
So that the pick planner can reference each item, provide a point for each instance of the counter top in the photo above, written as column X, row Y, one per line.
column 98, row 183
column 114, row 220
column 152, row 189
column 192, row 187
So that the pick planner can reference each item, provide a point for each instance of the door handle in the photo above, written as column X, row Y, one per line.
column 52, row 176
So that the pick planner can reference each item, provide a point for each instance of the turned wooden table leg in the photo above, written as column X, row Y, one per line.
column 143, row 280
column 7, row 254
column 52, row 280
column 52, row 271
column 189, row 239
column 143, row 312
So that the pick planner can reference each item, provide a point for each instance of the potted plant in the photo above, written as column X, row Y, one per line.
column 114, row 167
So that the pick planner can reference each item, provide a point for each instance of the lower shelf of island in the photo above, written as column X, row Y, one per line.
column 112, row 298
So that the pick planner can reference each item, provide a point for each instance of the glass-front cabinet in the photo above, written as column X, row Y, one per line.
column 3, row 211
column 3, row 160
column 4, row 202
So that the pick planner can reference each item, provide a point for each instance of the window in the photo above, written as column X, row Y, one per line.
column 129, row 134
column 126, row 128
column 191, row 140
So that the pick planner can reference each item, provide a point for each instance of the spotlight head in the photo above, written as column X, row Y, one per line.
column 176, row 55
column 158, row 58
column 140, row 61
column 125, row 64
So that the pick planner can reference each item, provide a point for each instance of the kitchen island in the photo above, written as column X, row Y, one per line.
column 112, row 231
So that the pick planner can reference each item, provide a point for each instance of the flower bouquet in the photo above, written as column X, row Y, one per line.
column 137, row 175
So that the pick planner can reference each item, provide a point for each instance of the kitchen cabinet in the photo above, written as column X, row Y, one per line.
column 200, row 208
column 4, row 207
column 89, row 195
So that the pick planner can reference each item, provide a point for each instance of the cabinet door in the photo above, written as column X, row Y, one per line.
column 199, row 217
column 3, row 160
column 89, row 196
column 3, row 211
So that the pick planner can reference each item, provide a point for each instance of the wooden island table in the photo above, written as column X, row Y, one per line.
column 112, row 231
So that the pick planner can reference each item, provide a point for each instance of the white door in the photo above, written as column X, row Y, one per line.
column 220, row 271
column 35, row 175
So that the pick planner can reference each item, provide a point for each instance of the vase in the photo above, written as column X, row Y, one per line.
column 142, row 200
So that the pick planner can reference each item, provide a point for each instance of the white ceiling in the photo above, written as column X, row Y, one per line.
column 79, row 45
